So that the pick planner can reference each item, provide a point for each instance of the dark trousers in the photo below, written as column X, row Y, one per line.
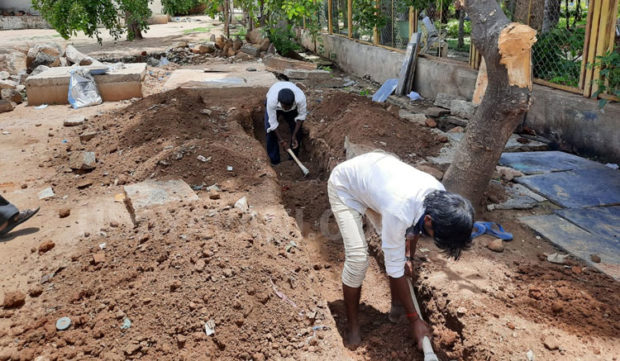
column 7, row 210
column 273, row 147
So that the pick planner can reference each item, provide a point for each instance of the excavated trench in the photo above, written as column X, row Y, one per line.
column 305, row 199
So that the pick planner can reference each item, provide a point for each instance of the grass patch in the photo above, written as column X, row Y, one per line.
column 197, row 30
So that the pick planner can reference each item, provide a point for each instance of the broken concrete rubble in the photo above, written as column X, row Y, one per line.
column 82, row 161
column 250, row 50
column 462, row 108
column 13, row 61
column 75, row 57
column 12, row 95
column 5, row 106
column 444, row 100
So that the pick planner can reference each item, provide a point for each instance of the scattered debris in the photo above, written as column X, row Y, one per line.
column 72, row 122
column 210, row 327
column 82, row 161
column 242, row 204
column 46, row 193
column 126, row 324
column 63, row 323
column 98, row 258
column 530, row 355
column 595, row 258
column 556, row 258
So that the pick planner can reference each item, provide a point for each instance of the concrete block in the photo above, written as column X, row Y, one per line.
column 76, row 57
column 462, row 108
column 304, row 74
column 436, row 112
column 5, row 106
column 197, row 78
column 280, row 64
column 444, row 100
column 52, row 85
column 75, row 121
column 151, row 193
column 82, row 161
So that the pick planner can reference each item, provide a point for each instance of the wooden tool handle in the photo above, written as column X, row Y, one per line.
column 301, row 166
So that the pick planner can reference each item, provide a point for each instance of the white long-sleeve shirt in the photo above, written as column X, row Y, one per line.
column 273, row 105
column 395, row 190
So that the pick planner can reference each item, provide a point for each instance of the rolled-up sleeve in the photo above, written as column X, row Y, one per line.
column 393, row 245
column 272, row 114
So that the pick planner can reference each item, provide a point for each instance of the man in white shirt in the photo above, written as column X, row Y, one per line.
column 285, row 102
column 401, row 202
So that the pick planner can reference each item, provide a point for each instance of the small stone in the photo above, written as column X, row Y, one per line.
column 84, row 184
column 131, row 349
column 99, row 257
column 595, row 258
column 86, row 136
column 557, row 307
column 46, row 246
column 213, row 194
column 114, row 224
column 5, row 106
column 431, row 123
column 64, row 212
column 46, row 193
column 551, row 343
column 72, row 122
column 206, row 111
column 82, row 161
column 35, row 291
column 461, row 311
column 496, row 245
column 14, row 299
column 175, row 285
column 199, row 266
column 457, row 129
column 228, row 272
column 510, row 325
column 181, row 340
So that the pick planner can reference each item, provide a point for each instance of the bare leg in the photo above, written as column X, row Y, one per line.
column 396, row 310
column 3, row 226
column 351, row 303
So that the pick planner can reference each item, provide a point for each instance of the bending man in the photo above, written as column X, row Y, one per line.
column 401, row 202
column 285, row 102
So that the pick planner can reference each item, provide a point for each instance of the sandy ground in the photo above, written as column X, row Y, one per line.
column 184, row 264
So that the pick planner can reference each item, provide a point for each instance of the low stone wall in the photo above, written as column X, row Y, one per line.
column 23, row 22
column 566, row 118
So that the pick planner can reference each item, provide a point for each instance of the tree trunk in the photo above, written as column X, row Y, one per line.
column 227, row 18
column 552, row 15
column 506, row 48
column 461, row 40
column 530, row 12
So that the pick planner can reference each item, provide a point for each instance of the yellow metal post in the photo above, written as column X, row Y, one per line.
column 411, row 28
column 330, row 28
column 350, row 17
column 375, row 31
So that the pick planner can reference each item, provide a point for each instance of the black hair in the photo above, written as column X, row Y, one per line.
column 286, row 97
column 452, row 218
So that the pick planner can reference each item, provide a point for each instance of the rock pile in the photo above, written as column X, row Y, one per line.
column 21, row 62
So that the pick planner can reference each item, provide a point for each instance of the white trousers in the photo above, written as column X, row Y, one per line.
column 355, row 247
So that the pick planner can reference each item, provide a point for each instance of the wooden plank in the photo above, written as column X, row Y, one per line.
column 557, row 86
column 586, row 45
column 404, row 69
column 414, row 61
column 601, row 44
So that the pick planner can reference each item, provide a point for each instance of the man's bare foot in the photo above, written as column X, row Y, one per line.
column 352, row 339
column 396, row 313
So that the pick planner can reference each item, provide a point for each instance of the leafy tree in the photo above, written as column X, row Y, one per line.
column 117, row 16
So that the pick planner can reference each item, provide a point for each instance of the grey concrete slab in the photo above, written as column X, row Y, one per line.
column 447, row 152
column 152, row 193
column 519, row 197
column 550, row 161
column 601, row 221
column 198, row 78
column 577, row 188
column 578, row 242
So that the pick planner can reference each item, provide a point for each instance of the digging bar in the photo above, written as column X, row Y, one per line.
column 301, row 166
column 429, row 354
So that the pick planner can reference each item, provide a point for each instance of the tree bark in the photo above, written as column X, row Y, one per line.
column 227, row 18
column 461, row 40
column 506, row 48
column 551, row 15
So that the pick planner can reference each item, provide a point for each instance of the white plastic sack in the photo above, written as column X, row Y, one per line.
column 83, row 89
